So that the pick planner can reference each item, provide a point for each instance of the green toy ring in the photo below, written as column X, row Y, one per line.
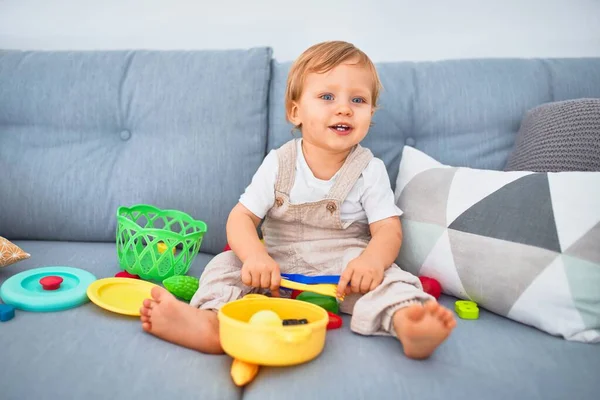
column 47, row 289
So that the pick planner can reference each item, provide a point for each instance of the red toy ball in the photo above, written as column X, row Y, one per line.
column 431, row 286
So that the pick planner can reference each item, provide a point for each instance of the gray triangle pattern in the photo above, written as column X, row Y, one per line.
column 588, row 246
column 496, row 272
column 520, row 212
column 431, row 187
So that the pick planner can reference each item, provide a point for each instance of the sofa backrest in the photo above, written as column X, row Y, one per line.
column 82, row 133
column 461, row 112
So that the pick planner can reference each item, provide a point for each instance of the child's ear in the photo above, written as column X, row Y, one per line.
column 293, row 115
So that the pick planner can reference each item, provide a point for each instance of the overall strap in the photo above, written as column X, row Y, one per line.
column 286, row 155
column 353, row 167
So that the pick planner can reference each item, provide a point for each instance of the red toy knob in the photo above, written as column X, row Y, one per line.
column 431, row 286
column 51, row 282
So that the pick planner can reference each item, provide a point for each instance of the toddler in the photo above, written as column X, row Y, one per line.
column 326, row 208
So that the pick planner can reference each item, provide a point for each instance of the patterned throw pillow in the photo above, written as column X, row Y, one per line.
column 559, row 136
column 523, row 245
column 10, row 253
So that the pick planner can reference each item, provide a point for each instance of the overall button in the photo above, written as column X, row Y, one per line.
column 410, row 141
column 125, row 134
column 331, row 207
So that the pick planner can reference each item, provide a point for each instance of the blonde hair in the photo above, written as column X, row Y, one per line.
column 321, row 58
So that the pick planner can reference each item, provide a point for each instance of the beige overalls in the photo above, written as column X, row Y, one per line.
column 312, row 239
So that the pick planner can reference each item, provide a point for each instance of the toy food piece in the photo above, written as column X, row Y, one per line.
column 182, row 286
column 265, row 318
column 125, row 274
column 312, row 280
column 335, row 321
column 302, row 321
column 7, row 312
column 322, row 288
column 255, row 296
column 466, row 309
column 51, row 282
column 327, row 302
column 431, row 286
column 243, row 372
column 162, row 247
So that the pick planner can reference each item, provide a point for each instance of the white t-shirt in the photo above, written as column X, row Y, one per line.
column 371, row 199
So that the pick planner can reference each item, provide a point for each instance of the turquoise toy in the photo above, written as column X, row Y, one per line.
column 47, row 289
column 7, row 312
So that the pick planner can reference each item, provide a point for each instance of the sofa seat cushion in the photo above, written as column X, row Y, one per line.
column 489, row 358
column 89, row 353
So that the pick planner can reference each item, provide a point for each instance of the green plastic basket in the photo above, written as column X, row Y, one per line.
column 157, row 244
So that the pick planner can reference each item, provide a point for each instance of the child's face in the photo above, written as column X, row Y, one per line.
column 335, row 107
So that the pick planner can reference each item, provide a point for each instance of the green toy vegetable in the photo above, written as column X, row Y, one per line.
column 182, row 286
column 327, row 302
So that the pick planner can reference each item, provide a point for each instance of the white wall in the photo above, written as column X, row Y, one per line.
column 385, row 29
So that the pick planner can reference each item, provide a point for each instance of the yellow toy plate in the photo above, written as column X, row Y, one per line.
column 120, row 295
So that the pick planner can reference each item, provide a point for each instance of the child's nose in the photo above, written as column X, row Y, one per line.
column 344, row 109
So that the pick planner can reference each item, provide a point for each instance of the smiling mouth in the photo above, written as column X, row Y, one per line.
column 341, row 128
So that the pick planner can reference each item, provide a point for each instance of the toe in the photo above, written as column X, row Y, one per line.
column 415, row 312
column 432, row 307
column 144, row 318
column 159, row 294
column 146, row 326
column 147, row 303
column 449, row 315
column 444, row 314
column 451, row 324
column 439, row 312
column 145, row 312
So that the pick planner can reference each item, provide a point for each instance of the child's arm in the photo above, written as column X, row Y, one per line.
column 385, row 243
column 241, row 233
column 258, row 267
column 365, row 272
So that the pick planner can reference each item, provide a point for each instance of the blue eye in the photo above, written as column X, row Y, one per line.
column 358, row 100
column 327, row 97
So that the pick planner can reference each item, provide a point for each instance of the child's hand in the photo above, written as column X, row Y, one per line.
column 261, row 271
column 362, row 274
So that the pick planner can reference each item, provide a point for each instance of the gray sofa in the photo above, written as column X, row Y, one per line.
column 82, row 133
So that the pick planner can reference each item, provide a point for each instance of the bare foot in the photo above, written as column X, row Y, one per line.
column 177, row 322
column 422, row 328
